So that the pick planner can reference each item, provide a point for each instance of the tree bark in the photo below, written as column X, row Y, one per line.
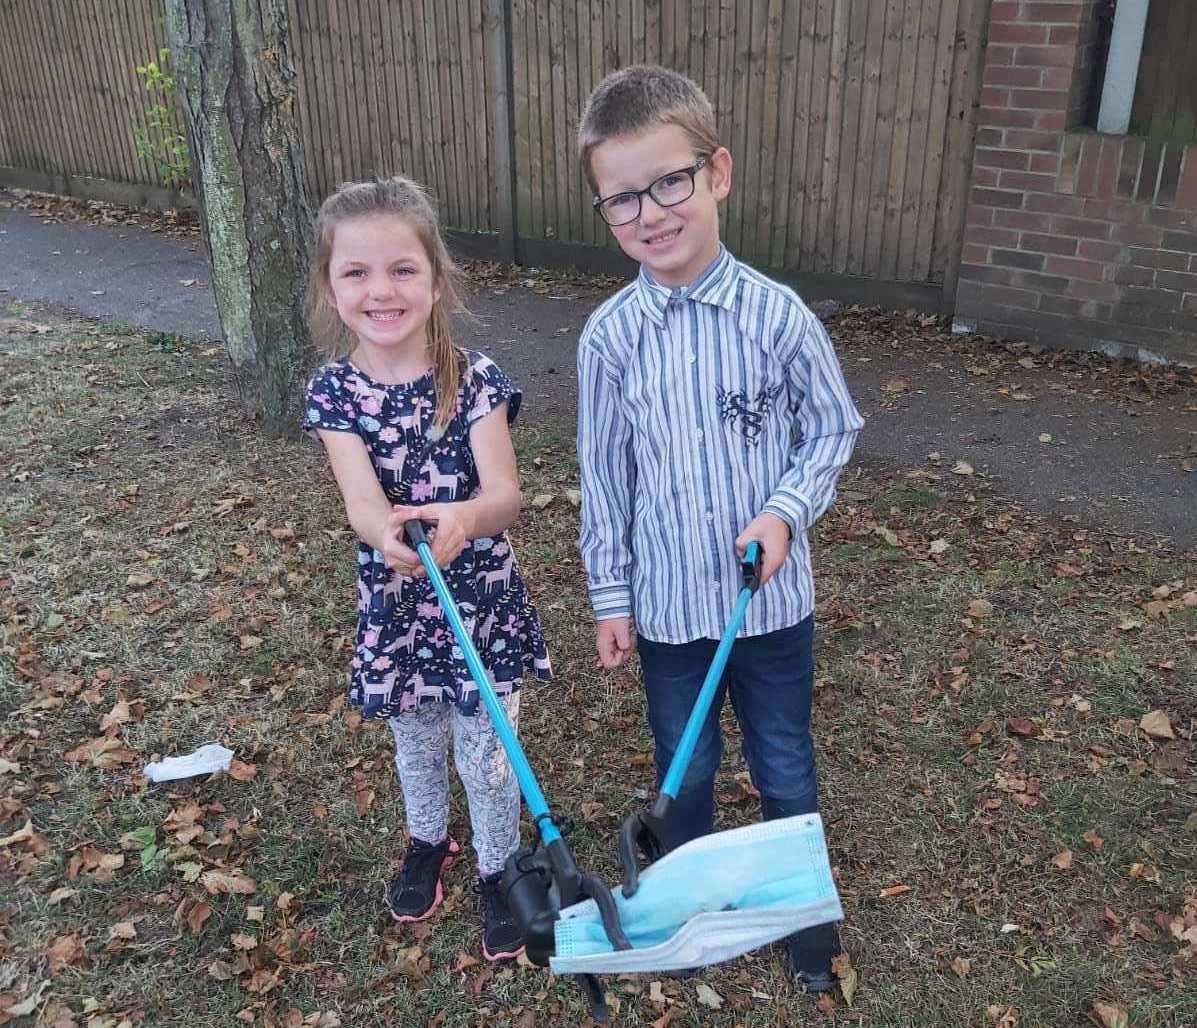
column 238, row 89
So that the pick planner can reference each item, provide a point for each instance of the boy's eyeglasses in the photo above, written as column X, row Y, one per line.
column 669, row 190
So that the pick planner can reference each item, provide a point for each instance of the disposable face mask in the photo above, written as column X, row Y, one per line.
column 710, row 900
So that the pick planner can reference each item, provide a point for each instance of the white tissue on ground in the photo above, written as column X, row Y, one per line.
column 205, row 760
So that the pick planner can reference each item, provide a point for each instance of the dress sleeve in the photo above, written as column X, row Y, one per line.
column 487, row 386
column 328, row 403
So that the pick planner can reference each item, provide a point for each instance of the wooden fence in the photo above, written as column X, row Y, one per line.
column 850, row 121
column 1165, row 105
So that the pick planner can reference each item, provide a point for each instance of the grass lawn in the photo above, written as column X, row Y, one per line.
column 1005, row 711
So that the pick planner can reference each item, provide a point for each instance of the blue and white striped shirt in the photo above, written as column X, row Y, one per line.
column 699, row 408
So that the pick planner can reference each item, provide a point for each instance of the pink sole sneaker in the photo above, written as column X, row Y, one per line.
column 494, row 958
column 454, row 849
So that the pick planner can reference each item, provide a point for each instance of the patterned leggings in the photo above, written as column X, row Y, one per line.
column 421, row 758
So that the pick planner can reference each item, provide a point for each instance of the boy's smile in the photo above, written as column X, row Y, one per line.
column 675, row 244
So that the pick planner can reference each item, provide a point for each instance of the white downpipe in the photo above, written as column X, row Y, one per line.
column 1122, row 66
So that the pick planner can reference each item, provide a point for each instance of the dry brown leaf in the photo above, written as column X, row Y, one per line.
column 979, row 609
column 245, row 942
column 707, row 996
column 217, row 882
column 65, row 951
column 104, row 752
column 1110, row 1015
column 894, row 890
column 242, row 771
column 123, row 930
column 1063, row 859
column 197, row 915
column 962, row 966
column 1157, row 725
column 848, row 978
column 1093, row 839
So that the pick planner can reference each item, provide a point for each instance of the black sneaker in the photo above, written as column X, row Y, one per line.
column 415, row 892
column 501, row 935
column 811, row 952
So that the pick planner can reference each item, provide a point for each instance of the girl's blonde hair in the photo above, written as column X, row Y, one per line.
column 401, row 198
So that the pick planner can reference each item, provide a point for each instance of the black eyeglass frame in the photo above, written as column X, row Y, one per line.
column 693, row 169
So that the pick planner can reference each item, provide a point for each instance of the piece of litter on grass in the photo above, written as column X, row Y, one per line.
column 203, row 761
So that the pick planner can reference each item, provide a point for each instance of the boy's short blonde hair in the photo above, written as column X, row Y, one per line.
column 639, row 97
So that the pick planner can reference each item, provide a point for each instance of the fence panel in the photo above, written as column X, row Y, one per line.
column 849, row 121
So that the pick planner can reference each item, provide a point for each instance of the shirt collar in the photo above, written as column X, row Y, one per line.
column 716, row 286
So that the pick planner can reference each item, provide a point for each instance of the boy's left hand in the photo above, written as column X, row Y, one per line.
column 774, row 536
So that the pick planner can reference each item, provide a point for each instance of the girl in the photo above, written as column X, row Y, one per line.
column 415, row 427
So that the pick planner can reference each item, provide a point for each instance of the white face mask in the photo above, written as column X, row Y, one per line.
column 710, row 900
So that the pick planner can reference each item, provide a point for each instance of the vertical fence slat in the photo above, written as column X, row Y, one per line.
column 919, row 123
column 896, row 172
column 521, row 111
column 765, row 149
column 857, row 228
column 891, row 41
column 836, row 88
column 936, row 136
column 791, row 119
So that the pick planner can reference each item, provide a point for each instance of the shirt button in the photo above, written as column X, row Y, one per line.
column 692, row 358
column 700, row 436
column 710, row 515
column 715, row 585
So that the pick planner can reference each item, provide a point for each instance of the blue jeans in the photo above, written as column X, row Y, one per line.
column 769, row 678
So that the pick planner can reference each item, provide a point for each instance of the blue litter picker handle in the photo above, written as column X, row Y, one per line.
column 417, row 539
column 645, row 835
column 540, row 880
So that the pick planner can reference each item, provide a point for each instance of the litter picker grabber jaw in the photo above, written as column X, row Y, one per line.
column 542, row 879
column 645, row 838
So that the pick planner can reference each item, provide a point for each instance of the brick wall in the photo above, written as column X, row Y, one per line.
column 1073, row 238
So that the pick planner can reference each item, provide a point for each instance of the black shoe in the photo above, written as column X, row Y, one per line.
column 811, row 952
column 501, row 935
column 415, row 892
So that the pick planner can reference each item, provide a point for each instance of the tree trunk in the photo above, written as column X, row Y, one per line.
column 238, row 89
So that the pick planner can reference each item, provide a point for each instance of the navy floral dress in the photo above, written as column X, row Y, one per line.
column 405, row 653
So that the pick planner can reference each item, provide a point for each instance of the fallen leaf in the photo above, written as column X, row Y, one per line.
column 1063, row 859
column 245, row 942
column 1110, row 1015
column 542, row 500
column 197, row 915
column 962, row 966
column 848, row 978
column 1045, row 437
column 939, row 546
column 1002, row 1015
column 61, row 896
column 1023, row 727
column 707, row 996
column 962, row 467
column 123, row 930
column 242, row 771
column 217, row 882
column 1157, row 725
column 1093, row 839
column 220, row 970
column 656, row 994
column 65, row 951
column 28, row 1005
column 894, row 890
column 979, row 609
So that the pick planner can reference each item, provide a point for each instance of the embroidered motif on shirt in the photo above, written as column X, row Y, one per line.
column 737, row 410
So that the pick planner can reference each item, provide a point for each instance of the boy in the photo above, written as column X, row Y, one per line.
column 711, row 411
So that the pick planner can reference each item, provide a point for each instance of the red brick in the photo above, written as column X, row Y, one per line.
column 1167, row 218
column 1017, row 259
column 1029, row 181
column 974, row 254
column 996, row 198
column 1005, row 117
column 1073, row 268
column 1052, row 121
column 1186, row 283
column 1068, row 35
column 1107, row 167
column 1008, row 75
column 1040, row 99
column 999, row 55
column 1087, row 290
column 1190, row 304
column 1045, row 56
column 1004, row 10
column 981, row 217
column 1047, row 163
column 987, row 273
column 1180, row 241
column 1054, row 14
column 1186, row 190
column 1125, row 212
column 986, row 236
column 986, row 157
column 1169, row 260
column 1129, row 275
column 1043, row 243
column 985, row 176
column 1018, row 32
column 1029, row 221
column 1054, row 203
column 1025, row 139
column 995, row 96
column 1138, row 235
column 990, row 137
column 1025, row 298
column 1097, row 250
column 1056, row 78
column 1082, row 228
